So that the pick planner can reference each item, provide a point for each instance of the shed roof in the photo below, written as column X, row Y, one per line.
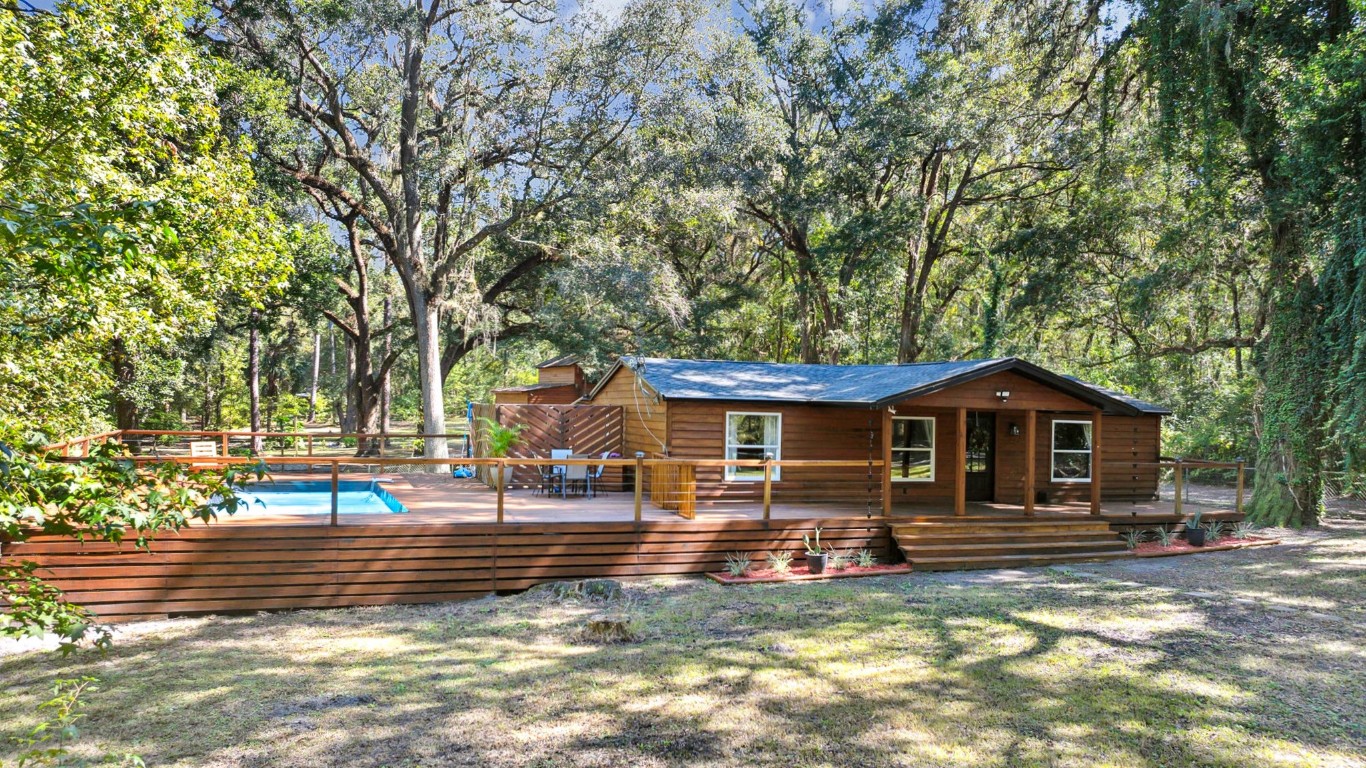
column 558, row 362
column 848, row 385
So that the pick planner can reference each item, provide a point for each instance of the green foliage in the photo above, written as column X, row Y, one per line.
column 737, row 564
column 1244, row 529
column 865, row 558
column 1216, row 530
column 779, row 562
column 49, row 742
column 501, row 439
column 103, row 497
column 813, row 545
column 1133, row 537
column 1164, row 535
column 840, row 560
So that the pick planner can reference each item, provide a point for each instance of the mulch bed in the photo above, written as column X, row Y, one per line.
column 800, row 573
column 1180, row 547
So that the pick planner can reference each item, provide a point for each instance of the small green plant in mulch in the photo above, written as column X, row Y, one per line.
column 737, row 564
column 1244, row 529
column 840, row 560
column 1133, row 537
column 780, row 562
column 865, row 558
column 1216, row 531
column 1164, row 535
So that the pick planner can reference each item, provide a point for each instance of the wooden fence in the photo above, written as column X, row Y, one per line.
column 224, row 568
column 591, row 430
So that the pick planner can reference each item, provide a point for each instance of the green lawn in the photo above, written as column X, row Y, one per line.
column 1036, row 667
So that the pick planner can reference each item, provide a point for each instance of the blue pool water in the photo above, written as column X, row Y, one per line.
column 314, row 497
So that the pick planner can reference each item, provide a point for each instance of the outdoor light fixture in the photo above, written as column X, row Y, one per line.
column 1003, row 394
column 1015, row 430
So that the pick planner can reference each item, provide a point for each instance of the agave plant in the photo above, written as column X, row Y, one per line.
column 840, row 560
column 737, row 564
column 865, row 558
column 1165, row 536
column 1133, row 537
column 1244, row 529
column 780, row 562
column 1216, row 530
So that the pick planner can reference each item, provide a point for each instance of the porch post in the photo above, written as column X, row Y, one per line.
column 886, row 462
column 960, row 464
column 1031, row 420
column 1096, row 464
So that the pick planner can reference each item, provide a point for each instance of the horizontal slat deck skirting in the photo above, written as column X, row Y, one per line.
column 225, row 568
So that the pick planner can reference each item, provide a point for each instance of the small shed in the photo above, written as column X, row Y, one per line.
column 559, row 381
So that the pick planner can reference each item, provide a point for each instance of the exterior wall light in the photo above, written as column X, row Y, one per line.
column 1014, row 430
column 1003, row 394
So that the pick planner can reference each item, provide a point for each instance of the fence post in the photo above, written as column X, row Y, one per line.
column 640, row 480
column 1180, row 481
column 1241, row 466
column 310, row 446
column 499, row 482
column 335, row 464
column 225, row 443
column 768, row 485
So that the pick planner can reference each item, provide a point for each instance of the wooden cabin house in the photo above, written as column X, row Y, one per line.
column 944, row 433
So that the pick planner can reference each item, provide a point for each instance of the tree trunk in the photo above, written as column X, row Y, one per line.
column 385, row 390
column 125, row 373
column 427, row 324
column 348, row 419
column 313, row 382
column 1288, row 487
column 254, row 379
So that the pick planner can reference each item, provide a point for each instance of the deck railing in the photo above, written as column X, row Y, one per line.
column 681, row 486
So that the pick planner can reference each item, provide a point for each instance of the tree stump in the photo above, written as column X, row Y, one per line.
column 609, row 628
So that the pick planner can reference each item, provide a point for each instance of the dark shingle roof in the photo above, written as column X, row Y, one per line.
column 866, row 385
column 532, row 387
column 1123, row 397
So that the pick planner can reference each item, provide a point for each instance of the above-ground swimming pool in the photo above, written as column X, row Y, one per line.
column 314, row 497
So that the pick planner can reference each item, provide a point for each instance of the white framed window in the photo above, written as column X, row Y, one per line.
column 751, row 437
column 913, row 449
column 1071, row 451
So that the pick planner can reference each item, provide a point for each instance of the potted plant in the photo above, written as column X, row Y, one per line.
column 501, row 440
column 1195, row 535
column 815, row 556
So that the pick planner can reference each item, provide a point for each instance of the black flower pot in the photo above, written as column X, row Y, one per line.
column 816, row 563
column 1195, row 537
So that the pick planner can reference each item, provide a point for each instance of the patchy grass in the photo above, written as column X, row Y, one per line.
column 1022, row 668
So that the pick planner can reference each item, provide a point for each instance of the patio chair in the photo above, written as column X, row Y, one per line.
column 557, row 470
column 595, row 475
column 200, row 449
column 576, row 476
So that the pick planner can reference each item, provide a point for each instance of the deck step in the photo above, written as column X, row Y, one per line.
column 973, row 537
column 917, row 552
column 1010, row 561
column 974, row 530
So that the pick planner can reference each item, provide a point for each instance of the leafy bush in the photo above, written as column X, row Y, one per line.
column 47, row 743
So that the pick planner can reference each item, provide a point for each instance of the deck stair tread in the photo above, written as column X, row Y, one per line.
column 919, row 549
column 1010, row 561
column 966, row 543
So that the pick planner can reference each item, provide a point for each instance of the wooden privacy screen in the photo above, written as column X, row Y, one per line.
column 586, row 429
column 219, row 568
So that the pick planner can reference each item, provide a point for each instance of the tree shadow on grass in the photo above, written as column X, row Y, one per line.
column 884, row 672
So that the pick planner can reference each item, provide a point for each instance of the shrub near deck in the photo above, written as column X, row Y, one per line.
column 994, row 668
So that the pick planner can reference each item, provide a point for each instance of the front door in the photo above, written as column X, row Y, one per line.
column 981, row 458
